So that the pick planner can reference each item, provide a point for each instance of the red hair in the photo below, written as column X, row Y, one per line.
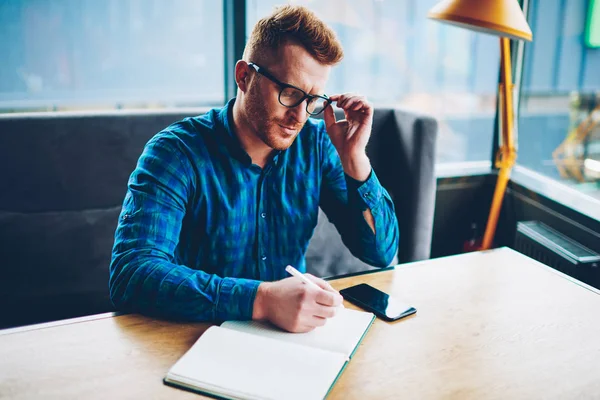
column 295, row 24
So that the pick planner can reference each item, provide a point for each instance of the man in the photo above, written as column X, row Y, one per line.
column 220, row 204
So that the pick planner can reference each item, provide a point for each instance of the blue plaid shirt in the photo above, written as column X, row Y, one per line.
column 201, row 226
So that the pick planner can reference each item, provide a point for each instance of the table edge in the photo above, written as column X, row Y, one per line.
column 87, row 318
column 60, row 322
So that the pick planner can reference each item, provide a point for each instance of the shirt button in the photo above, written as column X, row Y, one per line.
column 263, row 257
column 263, row 215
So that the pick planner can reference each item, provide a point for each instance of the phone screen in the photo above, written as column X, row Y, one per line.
column 376, row 301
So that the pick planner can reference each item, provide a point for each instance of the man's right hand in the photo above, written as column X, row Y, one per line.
column 295, row 306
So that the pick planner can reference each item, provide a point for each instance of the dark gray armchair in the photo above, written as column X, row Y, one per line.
column 63, row 179
column 402, row 153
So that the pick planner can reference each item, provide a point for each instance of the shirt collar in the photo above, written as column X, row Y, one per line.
column 231, row 140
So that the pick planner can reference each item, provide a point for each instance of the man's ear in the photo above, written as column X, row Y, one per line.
column 242, row 75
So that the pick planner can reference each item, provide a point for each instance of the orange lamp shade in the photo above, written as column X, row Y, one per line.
column 497, row 17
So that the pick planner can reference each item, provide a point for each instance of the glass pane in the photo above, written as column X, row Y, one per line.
column 397, row 57
column 60, row 54
column 559, row 120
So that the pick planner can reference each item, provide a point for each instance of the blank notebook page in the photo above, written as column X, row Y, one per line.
column 341, row 333
column 238, row 365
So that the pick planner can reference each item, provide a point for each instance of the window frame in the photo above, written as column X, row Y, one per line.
column 553, row 189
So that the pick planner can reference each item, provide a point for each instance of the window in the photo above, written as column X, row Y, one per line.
column 66, row 54
column 397, row 57
column 559, row 117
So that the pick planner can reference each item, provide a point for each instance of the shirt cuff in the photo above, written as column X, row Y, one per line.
column 365, row 194
column 235, row 300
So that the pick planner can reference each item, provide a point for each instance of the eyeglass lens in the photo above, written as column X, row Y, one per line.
column 291, row 97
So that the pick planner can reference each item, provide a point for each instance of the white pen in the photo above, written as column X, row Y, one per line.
column 294, row 272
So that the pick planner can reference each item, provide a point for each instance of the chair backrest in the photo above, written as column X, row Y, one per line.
column 402, row 153
column 63, row 178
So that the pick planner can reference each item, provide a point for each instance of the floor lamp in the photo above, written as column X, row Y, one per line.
column 503, row 18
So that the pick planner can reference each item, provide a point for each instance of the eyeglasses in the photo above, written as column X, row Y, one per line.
column 290, row 96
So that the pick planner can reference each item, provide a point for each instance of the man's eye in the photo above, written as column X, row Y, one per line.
column 292, row 93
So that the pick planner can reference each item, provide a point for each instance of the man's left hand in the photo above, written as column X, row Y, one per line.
column 351, row 135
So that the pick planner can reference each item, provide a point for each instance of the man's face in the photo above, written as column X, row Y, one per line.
column 276, row 125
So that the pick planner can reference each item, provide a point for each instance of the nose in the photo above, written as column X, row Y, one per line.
column 299, row 112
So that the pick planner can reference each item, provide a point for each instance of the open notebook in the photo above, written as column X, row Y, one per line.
column 253, row 360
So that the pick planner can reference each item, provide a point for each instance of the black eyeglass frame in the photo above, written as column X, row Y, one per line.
column 284, row 86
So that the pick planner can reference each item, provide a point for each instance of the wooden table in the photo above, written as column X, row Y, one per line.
column 490, row 325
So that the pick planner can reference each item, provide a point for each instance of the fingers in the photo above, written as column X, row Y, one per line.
column 321, row 283
column 314, row 317
column 326, row 298
column 318, row 321
column 352, row 102
column 325, row 311
column 357, row 103
column 329, row 117
column 325, row 286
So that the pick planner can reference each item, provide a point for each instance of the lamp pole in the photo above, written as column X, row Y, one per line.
column 507, row 154
column 502, row 18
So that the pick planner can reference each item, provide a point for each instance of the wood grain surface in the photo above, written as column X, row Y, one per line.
column 490, row 325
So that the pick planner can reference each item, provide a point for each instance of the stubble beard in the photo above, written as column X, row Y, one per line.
column 266, row 128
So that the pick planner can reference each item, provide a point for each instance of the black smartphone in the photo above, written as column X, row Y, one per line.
column 378, row 302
